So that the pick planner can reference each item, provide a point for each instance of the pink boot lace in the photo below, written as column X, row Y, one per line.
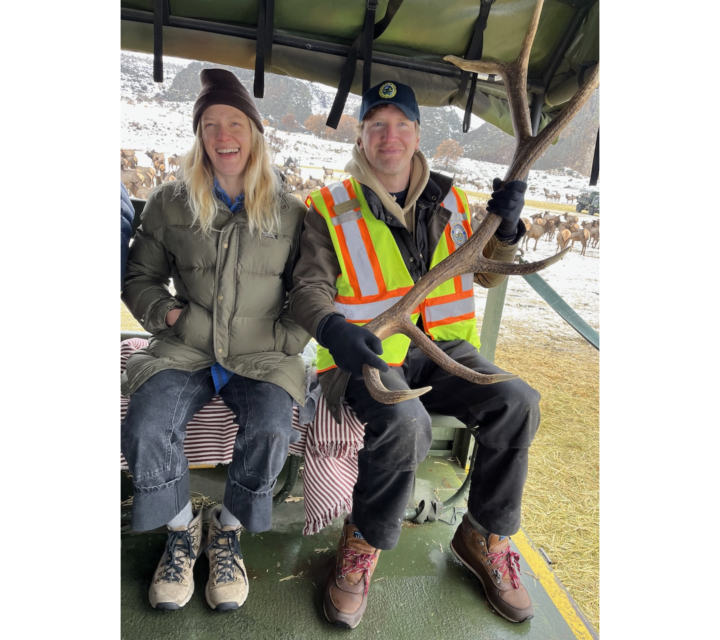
column 508, row 562
column 358, row 563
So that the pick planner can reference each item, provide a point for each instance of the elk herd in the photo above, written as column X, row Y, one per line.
column 563, row 229
column 486, row 187
column 293, row 180
column 140, row 180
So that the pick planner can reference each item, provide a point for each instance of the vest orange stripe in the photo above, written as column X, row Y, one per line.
column 452, row 297
column 351, row 275
column 459, row 201
column 367, row 241
column 380, row 296
column 439, row 323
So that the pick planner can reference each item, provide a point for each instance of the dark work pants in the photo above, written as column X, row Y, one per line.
column 153, row 433
column 503, row 417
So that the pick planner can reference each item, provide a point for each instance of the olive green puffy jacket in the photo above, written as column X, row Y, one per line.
column 231, row 286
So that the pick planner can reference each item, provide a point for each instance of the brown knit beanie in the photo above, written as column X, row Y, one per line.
column 220, row 86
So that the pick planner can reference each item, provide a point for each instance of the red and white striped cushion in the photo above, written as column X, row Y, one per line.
column 330, row 450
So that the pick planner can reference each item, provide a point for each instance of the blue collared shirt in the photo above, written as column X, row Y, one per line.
column 221, row 375
column 221, row 194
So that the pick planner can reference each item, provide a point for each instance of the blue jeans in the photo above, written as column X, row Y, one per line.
column 153, row 433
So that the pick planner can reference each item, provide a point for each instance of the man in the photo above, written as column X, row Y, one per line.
column 365, row 242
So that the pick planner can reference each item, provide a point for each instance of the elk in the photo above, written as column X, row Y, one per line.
column 563, row 237
column 158, row 163
column 535, row 232
column 291, row 165
column 312, row 183
column 327, row 173
column 158, row 160
column 131, row 180
column 128, row 159
column 550, row 228
column 293, row 181
column 174, row 163
column 468, row 258
column 594, row 239
column 581, row 236
column 147, row 175
column 593, row 228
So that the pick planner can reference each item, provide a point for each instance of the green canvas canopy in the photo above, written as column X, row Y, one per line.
column 314, row 39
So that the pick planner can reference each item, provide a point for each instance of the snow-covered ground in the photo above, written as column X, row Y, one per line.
column 167, row 128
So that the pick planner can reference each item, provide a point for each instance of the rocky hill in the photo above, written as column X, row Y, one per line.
column 288, row 96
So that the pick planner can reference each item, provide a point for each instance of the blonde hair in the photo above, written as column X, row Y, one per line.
column 262, row 186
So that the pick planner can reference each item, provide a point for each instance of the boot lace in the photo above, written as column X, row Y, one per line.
column 178, row 550
column 358, row 563
column 508, row 562
column 228, row 555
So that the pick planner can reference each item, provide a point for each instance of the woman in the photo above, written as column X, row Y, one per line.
column 228, row 238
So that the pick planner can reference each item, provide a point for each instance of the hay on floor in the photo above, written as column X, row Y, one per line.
column 561, row 510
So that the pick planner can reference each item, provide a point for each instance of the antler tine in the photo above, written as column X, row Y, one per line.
column 402, row 324
column 469, row 258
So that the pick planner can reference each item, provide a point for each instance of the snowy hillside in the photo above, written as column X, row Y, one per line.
column 149, row 122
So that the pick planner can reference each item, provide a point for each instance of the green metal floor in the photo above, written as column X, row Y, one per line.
column 419, row 589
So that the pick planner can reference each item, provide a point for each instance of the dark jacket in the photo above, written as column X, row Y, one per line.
column 311, row 299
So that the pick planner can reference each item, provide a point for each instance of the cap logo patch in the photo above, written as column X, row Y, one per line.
column 388, row 90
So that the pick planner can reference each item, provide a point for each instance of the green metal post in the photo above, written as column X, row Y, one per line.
column 464, row 441
column 491, row 320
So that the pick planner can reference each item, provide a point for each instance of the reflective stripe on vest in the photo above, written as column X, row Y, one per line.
column 374, row 276
column 449, row 310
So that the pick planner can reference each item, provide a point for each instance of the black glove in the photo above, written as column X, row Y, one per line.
column 351, row 346
column 508, row 204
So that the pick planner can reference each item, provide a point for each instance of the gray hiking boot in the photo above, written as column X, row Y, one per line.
column 173, row 584
column 227, row 586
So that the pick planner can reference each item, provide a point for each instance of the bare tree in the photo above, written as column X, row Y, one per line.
column 448, row 153
column 274, row 141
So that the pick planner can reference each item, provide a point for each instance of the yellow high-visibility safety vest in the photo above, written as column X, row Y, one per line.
column 373, row 275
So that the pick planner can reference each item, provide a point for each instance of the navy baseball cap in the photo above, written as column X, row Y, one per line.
column 391, row 92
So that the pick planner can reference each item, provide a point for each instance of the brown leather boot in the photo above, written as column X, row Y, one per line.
column 498, row 567
column 345, row 596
